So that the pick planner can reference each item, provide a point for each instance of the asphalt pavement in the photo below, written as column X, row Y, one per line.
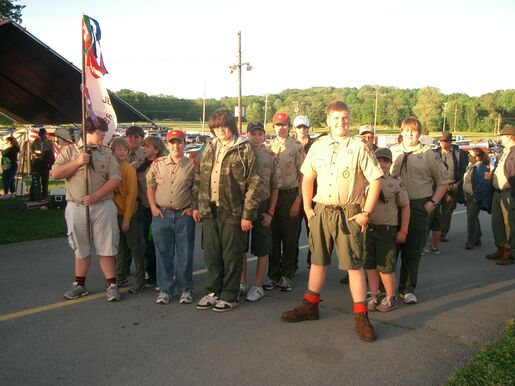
column 464, row 301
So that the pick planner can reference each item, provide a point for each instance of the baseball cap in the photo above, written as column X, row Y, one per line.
column 446, row 136
column 255, row 125
column 175, row 134
column 280, row 117
column 366, row 129
column 384, row 152
column 301, row 120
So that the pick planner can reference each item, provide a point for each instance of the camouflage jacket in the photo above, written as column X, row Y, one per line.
column 239, row 196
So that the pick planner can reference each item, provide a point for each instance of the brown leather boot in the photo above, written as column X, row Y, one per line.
column 306, row 311
column 506, row 258
column 363, row 327
column 496, row 255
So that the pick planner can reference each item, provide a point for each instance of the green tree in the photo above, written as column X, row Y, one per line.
column 10, row 11
column 429, row 108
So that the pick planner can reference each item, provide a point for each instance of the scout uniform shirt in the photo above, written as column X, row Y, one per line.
column 419, row 169
column 103, row 166
column 449, row 164
column 173, row 182
column 505, row 168
column 266, row 168
column 136, row 157
column 393, row 195
column 342, row 170
column 290, row 156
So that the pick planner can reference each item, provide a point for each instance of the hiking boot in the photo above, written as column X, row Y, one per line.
column 186, row 297
column 76, row 291
column 505, row 260
column 285, row 284
column 136, row 289
column 363, row 327
column 255, row 293
column 387, row 304
column 223, row 306
column 270, row 284
column 207, row 302
column 372, row 302
column 409, row 298
column 113, row 294
column 306, row 311
column 163, row 298
column 496, row 255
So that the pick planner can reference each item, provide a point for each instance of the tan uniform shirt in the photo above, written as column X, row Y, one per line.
column 290, row 156
column 504, row 169
column 220, row 152
column 342, row 170
column 266, row 169
column 173, row 181
column 449, row 164
column 467, row 179
column 136, row 157
column 419, row 171
column 395, row 196
column 103, row 167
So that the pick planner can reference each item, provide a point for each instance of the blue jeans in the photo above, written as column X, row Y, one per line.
column 174, row 235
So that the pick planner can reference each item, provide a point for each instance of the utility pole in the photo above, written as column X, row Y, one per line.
column 375, row 109
column 266, row 110
column 233, row 68
column 455, row 117
column 204, row 109
column 444, row 115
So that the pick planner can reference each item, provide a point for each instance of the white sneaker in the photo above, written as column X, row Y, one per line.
column 243, row 289
column 113, row 294
column 223, row 306
column 207, row 302
column 163, row 298
column 186, row 297
column 409, row 298
column 255, row 293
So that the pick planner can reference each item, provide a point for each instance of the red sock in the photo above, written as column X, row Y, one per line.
column 81, row 280
column 359, row 308
column 312, row 298
column 111, row 280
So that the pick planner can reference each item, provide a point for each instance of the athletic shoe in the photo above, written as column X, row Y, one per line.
column 207, row 302
column 163, row 298
column 136, row 289
column 270, row 284
column 372, row 302
column 409, row 298
column 222, row 306
column 113, row 294
column 255, row 293
column 285, row 284
column 76, row 291
column 122, row 282
column 387, row 304
column 186, row 297
column 432, row 250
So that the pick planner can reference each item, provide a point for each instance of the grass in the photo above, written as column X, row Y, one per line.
column 494, row 365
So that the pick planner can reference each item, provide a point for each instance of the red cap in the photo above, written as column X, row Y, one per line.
column 175, row 134
column 280, row 117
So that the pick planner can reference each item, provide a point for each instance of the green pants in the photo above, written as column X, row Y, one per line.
column 224, row 247
column 131, row 244
column 448, row 204
column 473, row 225
column 411, row 251
column 503, row 220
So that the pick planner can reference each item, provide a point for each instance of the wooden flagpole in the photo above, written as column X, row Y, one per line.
column 84, row 132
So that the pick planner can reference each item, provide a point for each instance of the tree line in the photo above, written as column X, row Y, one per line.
column 459, row 111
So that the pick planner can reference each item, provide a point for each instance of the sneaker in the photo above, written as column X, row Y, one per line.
column 432, row 250
column 285, row 284
column 222, row 306
column 373, row 301
column 186, row 297
column 387, row 304
column 76, row 291
column 207, row 302
column 255, row 293
column 469, row 246
column 122, row 282
column 113, row 294
column 409, row 298
column 136, row 289
column 364, row 327
column 163, row 298
column 270, row 284
column 243, row 289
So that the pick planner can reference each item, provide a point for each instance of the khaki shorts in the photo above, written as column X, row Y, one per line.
column 104, row 228
column 329, row 229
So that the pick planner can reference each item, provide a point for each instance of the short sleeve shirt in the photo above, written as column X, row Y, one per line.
column 342, row 170
column 395, row 196
column 103, row 167
column 266, row 168
column 449, row 164
column 290, row 156
column 173, row 181
column 422, row 169
column 505, row 168
column 136, row 157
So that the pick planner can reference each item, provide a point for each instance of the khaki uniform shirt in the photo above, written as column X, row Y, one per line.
column 419, row 171
column 395, row 196
column 136, row 157
column 505, row 168
column 290, row 156
column 173, row 181
column 266, row 169
column 449, row 164
column 103, row 166
column 342, row 170
column 220, row 152
column 467, row 179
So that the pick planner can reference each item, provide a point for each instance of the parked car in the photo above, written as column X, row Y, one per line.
column 194, row 150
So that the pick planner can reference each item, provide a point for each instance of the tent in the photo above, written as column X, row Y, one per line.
column 38, row 86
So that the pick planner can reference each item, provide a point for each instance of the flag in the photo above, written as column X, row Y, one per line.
column 98, row 103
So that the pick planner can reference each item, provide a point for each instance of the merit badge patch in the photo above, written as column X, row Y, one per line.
column 419, row 156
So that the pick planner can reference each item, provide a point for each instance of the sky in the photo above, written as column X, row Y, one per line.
column 184, row 47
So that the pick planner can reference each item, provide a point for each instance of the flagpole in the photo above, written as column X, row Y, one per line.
column 84, row 136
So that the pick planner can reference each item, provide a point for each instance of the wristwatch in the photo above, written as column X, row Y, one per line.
column 435, row 204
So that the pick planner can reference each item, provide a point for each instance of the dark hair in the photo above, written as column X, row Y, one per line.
column 480, row 154
column 337, row 106
column 412, row 123
column 101, row 124
column 157, row 143
column 135, row 130
column 13, row 142
column 222, row 117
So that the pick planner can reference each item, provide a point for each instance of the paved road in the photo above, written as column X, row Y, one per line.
column 464, row 301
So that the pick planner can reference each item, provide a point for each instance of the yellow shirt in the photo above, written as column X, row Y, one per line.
column 290, row 156
column 126, row 193
column 220, row 152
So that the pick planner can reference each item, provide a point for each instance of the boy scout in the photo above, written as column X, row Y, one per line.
column 135, row 136
column 419, row 168
column 169, row 183
column 261, row 234
column 225, row 199
column 383, row 233
column 286, row 222
column 503, row 204
column 104, row 177
column 341, row 165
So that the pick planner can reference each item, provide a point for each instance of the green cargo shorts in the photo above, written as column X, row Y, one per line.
column 381, row 250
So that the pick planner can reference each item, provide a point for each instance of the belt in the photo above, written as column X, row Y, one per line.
column 375, row 227
column 173, row 210
column 453, row 186
column 289, row 190
column 338, row 207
